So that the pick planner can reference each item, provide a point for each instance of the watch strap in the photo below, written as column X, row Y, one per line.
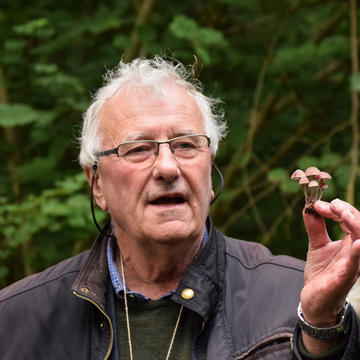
column 324, row 333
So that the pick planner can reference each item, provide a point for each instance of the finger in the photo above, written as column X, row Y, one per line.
column 342, row 212
column 339, row 206
column 350, row 217
column 345, row 229
column 316, row 230
column 355, row 255
column 351, row 220
column 325, row 209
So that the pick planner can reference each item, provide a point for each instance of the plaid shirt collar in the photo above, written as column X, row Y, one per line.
column 116, row 278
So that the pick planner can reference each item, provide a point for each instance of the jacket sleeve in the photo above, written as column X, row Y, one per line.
column 348, row 349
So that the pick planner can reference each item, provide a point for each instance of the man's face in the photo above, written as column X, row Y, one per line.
column 168, row 201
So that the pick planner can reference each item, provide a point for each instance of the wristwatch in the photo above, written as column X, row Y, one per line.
column 324, row 333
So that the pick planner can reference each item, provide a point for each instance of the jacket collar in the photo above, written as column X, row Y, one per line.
column 92, row 279
column 204, row 276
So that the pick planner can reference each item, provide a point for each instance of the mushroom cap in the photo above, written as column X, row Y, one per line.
column 313, row 183
column 324, row 175
column 297, row 174
column 324, row 186
column 312, row 171
column 303, row 180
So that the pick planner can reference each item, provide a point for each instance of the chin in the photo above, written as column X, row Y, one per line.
column 173, row 232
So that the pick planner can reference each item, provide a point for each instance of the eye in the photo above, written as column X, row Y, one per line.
column 140, row 149
column 136, row 149
column 184, row 145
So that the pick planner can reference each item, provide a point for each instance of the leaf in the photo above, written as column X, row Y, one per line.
column 329, row 159
column 203, row 53
column 278, row 175
column 54, row 207
column 30, row 27
column 73, row 183
column 45, row 68
column 183, row 27
column 104, row 20
column 121, row 41
column 341, row 175
column 14, row 45
column 16, row 115
column 355, row 82
column 211, row 37
column 308, row 161
column 290, row 187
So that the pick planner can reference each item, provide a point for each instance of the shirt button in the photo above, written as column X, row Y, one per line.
column 187, row 294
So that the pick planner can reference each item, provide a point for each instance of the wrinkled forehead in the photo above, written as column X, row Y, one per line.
column 134, row 104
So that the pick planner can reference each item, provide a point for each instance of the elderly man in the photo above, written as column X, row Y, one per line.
column 160, row 282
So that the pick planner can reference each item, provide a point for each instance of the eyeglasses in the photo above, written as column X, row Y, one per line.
column 144, row 152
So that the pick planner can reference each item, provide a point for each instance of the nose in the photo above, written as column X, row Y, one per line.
column 165, row 166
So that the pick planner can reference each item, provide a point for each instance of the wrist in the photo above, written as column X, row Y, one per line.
column 324, row 329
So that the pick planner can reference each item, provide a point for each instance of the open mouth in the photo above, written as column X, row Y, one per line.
column 168, row 200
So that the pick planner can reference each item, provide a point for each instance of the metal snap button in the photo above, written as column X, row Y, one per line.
column 187, row 294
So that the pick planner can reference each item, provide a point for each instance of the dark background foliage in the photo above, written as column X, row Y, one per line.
column 287, row 74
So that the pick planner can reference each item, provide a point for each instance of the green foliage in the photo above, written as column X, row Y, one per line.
column 286, row 62
column 16, row 115
column 201, row 38
column 355, row 82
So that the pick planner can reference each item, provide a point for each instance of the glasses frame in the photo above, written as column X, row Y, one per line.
column 158, row 143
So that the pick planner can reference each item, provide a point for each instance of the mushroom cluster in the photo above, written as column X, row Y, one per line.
column 314, row 179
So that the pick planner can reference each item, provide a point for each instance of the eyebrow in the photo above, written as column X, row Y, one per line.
column 143, row 136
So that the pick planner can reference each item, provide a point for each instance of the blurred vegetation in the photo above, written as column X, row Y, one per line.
column 286, row 71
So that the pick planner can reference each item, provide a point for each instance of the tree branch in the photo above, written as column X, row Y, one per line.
column 10, row 138
column 350, row 190
column 143, row 15
column 329, row 27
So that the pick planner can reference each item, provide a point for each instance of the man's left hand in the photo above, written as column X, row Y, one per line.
column 332, row 267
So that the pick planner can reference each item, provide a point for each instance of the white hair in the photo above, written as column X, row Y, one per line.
column 153, row 73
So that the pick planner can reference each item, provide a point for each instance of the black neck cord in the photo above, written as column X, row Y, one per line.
column 94, row 168
column 221, row 184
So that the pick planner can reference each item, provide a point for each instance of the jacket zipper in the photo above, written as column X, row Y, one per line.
column 253, row 349
column 106, row 316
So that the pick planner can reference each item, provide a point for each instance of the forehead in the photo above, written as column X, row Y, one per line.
column 144, row 112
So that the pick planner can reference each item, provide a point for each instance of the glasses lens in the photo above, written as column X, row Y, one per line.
column 189, row 147
column 144, row 152
column 137, row 151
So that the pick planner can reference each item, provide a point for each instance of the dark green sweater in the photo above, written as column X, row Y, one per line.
column 152, row 324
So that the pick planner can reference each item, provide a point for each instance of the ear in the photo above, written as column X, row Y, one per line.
column 97, row 188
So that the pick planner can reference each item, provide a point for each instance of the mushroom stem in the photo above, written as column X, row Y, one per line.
column 319, row 190
column 305, row 192
column 311, row 195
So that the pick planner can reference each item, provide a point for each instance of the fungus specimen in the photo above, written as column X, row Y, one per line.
column 314, row 180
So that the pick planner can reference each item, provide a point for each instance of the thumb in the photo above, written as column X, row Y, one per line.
column 316, row 230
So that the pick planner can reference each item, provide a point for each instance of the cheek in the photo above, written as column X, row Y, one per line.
column 122, row 185
column 203, row 185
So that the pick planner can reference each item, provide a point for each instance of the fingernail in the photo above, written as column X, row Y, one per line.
column 336, row 204
column 320, row 205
